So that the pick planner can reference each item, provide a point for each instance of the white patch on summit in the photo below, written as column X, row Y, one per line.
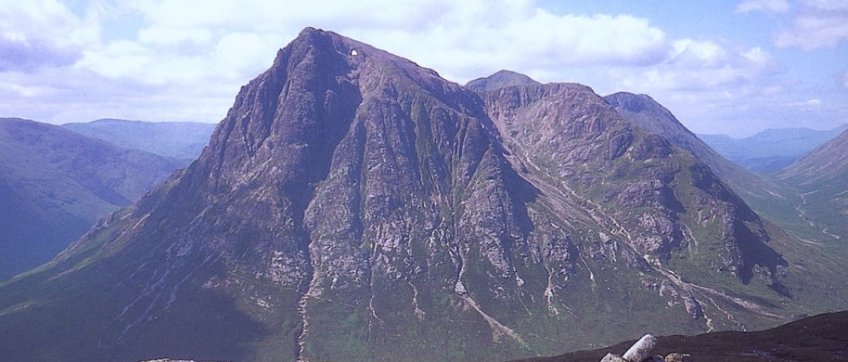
column 353, row 52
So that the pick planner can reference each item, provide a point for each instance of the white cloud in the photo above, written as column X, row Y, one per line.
column 41, row 33
column 176, row 46
column 463, row 40
column 175, row 60
column 807, row 104
column 776, row 6
column 697, row 66
column 819, row 24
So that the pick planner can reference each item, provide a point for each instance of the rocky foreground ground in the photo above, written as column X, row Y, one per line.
column 820, row 338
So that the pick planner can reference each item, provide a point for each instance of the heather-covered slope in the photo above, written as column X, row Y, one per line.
column 355, row 206
column 55, row 184
column 813, row 339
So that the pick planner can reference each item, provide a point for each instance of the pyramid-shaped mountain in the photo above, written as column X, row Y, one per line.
column 355, row 206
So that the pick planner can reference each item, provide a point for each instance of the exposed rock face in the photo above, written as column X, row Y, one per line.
column 355, row 206
column 634, row 184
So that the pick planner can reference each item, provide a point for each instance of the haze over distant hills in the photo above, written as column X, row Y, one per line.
column 55, row 184
column 771, row 150
column 179, row 140
column 355, row 206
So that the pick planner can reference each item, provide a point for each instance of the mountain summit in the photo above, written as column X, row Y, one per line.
column 355, row 206
column 500, row 79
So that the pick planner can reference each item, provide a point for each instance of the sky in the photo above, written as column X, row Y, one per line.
column 734, row 67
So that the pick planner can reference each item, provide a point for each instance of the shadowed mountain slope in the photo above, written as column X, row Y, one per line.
column 55, row 184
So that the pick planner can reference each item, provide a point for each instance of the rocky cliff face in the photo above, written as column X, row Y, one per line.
column 355, row 206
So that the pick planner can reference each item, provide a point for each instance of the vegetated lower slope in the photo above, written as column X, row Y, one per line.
column 820, row 338
column 821, row 177
column 771, row 150
column 55, row 184
column 179, row 140
column 355, row 206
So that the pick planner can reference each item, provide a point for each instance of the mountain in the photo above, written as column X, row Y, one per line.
column 769, row 197
column 179, row 140
column 820, row 338
column 500, row 79
column 771, row 150
column 822, row 180
column 55, row 184
column 355, row 206
column 651, row 116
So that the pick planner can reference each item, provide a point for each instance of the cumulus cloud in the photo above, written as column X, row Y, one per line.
column 461, row 39
column 172, row 47
column 173, row 60
column 807, row 104
column 776, row 6
column 698, row 65
column 40, row 33
column 818, row 24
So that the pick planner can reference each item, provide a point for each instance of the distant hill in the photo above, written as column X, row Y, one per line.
column 179, row 140
column 500, row 79
column 55, row 184
column 773, row 149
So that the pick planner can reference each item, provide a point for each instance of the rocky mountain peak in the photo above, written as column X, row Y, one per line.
column 355, row 206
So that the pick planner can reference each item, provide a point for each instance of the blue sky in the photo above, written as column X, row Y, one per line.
column 733, row 67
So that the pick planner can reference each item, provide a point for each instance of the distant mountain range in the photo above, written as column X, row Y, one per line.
column 182, row 141
column 55, row 184
column 355, row 206
column 771, row 150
